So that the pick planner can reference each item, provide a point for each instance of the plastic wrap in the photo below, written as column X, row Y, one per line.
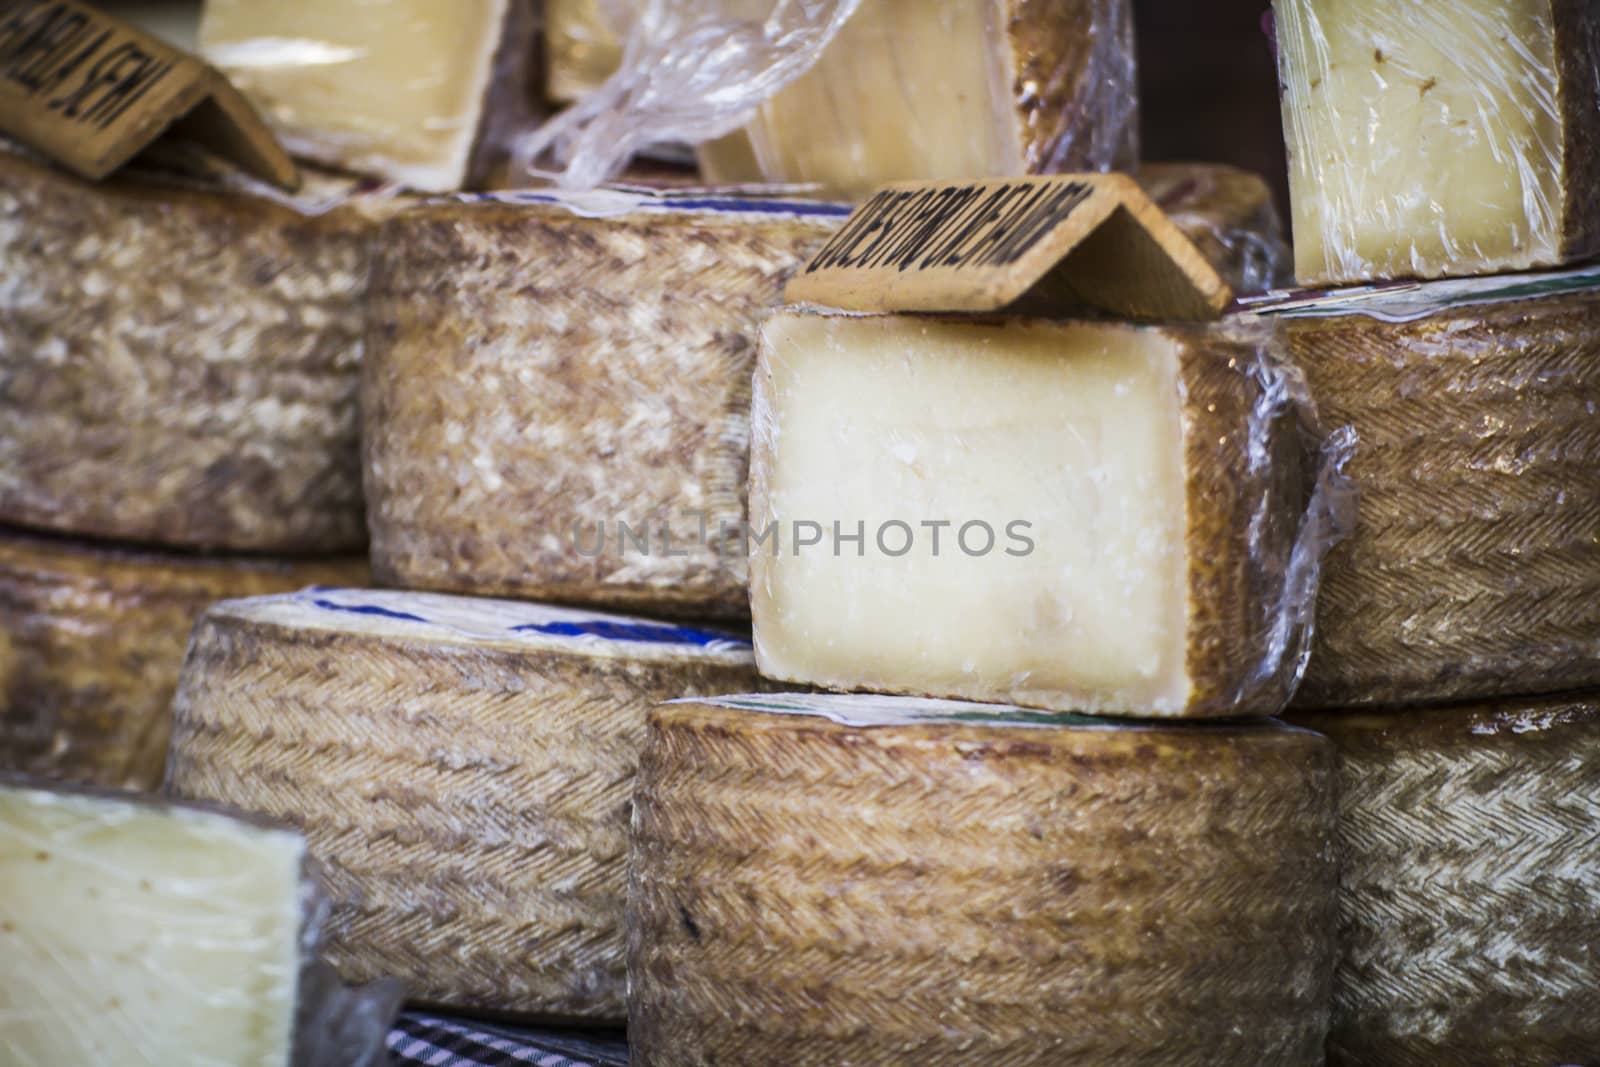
column 631, row 352
column 1229, row 215
column 425, row 93
column 1474, row 570
column 181, row 359
column 583, row 44
column 859, row 862
column 91, row 642
column 1470, row 891
column 1432, row 139
column 461, row 766
column 146, row 932
column 1175, row 494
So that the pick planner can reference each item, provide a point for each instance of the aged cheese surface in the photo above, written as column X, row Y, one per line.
column 820, row 880
column 178, row 364
column 1469, row 903
column 1060, row 515
column 462, row 768
column 568, row 418
column 1229, row 215
column 411, row 90
column 1440, row 138
column 1474, row 569
column 931, row 89
column 145, row 935
column 91, row 642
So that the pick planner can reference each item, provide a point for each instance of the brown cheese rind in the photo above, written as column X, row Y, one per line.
column 91, row 642
column 1229, row 215
column 1474, row 569
column 179, row 365
column 1470, row 894
column 808, row 893
column 1075, row 94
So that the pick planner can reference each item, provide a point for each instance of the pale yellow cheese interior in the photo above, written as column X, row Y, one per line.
column 134, row 935
column 1072, row 428
column 583, row 46
column 1424, row 137
column 396, row 88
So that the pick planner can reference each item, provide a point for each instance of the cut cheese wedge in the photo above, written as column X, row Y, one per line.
column 582, row 45
column 461, row 767
column 1078, row 516
column 819, row 880
column 1229, row 215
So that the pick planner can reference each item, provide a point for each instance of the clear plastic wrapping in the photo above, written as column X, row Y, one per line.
column 1229, row 215
column 1433, row 139
column 151, row 932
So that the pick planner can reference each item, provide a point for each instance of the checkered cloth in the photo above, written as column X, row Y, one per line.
column 419, row 1038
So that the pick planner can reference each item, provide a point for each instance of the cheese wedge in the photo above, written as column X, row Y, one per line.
column 1229, row 215
column 1470, row 892
column 819, row 880
column 583, row 47
column 1439, row 137
column 1078, row 516
column 462, row 769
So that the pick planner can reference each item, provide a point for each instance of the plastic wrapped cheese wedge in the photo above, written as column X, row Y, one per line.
column 568, row 418
column 415, row 91
column 583, row 44
column 1081, row 515
column 149, row 933
column 1474, row 568
column 1440, row 138
column 91, row 642
column 881, row 881
column 180, row 360
column 461, row 767
column 1469, row 899
column 931, row 89
column 1229, row 216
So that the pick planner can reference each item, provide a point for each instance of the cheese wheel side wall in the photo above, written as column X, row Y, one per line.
column 537, row 379
column 1075, row 92
column 469, row 806
column 91, row 643
column 1580, row 145
column 810, row 894
column 1474, row 570
column 1470, row 897
column 177, row 365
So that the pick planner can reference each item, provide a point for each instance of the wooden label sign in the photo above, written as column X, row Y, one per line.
column 1037, row 245
column 90, row 91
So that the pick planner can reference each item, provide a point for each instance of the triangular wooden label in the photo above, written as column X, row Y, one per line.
column 1047, row 245
column 91, row 92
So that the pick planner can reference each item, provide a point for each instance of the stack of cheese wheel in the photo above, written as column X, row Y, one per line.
column 1435, row 153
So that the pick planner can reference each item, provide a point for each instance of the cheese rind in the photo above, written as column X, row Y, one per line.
column 1229, row 215
column 913, row 89
column 179, row 364
column 1120, row 506
column 1440, row 138
column 91, row 642
column 1471, row 875
column 577, row 376
column 1474, row 569
column 462, row 769
column 953, row 887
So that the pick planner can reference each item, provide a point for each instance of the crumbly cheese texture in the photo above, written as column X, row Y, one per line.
column 1440, row 138
column 1061, row 515
column 91, row 642
column 1470, row 894
column 936, row 89
column 409, row 90
column 951, row 886
column 179, row 364
column 145, row 935
column 1474, row 567
column 568, row 419
column 462, row 769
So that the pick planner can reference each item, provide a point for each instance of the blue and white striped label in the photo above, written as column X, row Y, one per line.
column 612, row 202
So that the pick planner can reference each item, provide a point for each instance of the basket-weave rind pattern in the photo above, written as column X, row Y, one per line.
column 1469, row 903
column 468, row 803
column 809, row 894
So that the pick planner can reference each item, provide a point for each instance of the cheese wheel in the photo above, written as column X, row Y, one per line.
column 461, row 767
column 179, row 364
column 820, row 880
column 1474, row 568
column 91, row 643
column 1469, row 905
column 557, row 395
